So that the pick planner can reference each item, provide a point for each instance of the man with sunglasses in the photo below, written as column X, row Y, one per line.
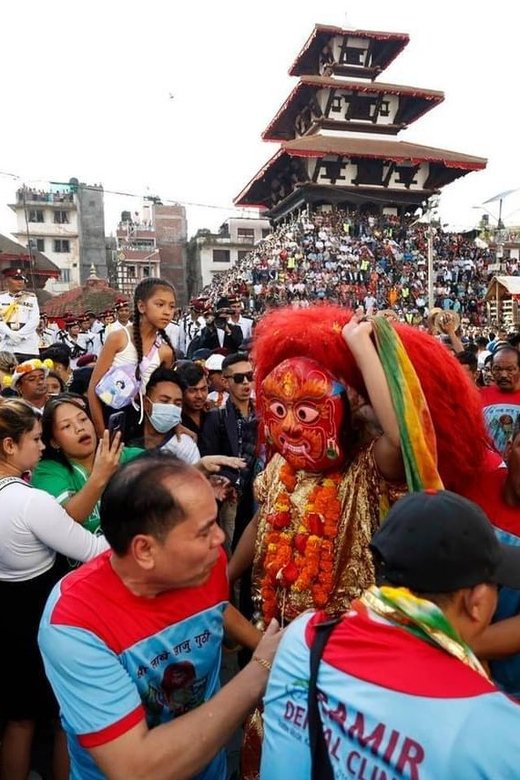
column 232, row 431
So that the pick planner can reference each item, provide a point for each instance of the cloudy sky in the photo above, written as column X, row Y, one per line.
column 85, row 91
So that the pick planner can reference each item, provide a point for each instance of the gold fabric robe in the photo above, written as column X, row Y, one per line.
column 365, row 498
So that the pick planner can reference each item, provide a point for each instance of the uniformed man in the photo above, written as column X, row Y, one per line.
column 46, row 334
column 95, row 324
column 19, row 317
column 70, row 337
column 122, row 309
column 192, row 323
column 86, row 338
column 237, row 318
column 107, row 317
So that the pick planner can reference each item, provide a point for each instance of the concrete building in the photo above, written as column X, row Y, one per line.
column 151, row 243
column 218, row 252
column 66, row 223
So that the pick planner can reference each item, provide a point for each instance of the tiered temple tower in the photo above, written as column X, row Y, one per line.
column 335, row 133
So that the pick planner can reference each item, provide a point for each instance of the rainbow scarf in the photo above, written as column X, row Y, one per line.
column 418, row 442
column 421, row 618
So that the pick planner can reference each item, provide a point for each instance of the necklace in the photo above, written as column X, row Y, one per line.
column 299, row 548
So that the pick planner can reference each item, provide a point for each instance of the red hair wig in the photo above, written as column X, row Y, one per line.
column 453, row 401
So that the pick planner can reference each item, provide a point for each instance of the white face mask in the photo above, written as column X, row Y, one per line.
column 164, row 417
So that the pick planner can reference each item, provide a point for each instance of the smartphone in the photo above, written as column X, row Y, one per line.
column 116, row 422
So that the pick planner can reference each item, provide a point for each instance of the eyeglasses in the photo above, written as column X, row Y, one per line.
column 239, row 378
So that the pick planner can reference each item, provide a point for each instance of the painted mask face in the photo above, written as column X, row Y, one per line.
column 305, row 408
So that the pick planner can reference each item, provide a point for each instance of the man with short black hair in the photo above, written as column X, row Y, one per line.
column 59, row 353
column 132, row 643
column 501, row 401
column 233, row 431
column 399, row 691
column 122, row 310
column 237, row 318
column 195, row 395
column 469, row 363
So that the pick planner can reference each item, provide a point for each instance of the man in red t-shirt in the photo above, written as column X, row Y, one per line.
column 501, row 401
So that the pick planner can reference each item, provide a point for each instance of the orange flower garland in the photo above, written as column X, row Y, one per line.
column 300, row 557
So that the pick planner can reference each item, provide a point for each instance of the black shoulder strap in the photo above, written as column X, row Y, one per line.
column 321, row 764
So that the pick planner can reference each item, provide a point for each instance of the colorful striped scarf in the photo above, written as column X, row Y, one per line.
column 421, row 618
column 418, row 442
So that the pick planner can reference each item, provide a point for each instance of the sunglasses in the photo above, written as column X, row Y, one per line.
column 239, row 378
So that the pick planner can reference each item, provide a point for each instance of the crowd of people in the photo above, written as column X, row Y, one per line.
column 379, row 262
column 174, row 484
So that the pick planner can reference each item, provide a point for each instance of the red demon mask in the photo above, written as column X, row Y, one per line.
column 304, row 413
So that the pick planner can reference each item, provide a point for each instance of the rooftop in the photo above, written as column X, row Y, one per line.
column 385, row 46
column 400, row 152
column 414, row 102
column 12, row 253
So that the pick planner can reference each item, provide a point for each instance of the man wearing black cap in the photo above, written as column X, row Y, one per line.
column 19, row 317
column 399, row 693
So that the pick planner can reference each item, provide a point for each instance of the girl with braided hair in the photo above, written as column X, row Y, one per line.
column 138, row 349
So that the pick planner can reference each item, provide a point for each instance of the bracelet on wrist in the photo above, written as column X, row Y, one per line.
column 263, row 662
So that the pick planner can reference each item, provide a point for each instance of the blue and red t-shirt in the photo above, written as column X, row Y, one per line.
column 114, row 658
column 392, row 706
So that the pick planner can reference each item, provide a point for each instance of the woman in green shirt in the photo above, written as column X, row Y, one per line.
column 76, row 466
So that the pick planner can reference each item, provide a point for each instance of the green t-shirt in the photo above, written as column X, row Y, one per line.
column 63, row 483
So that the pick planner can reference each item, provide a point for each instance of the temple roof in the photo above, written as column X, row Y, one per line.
column 385, row 47
column 401, row 152
column 415, row 102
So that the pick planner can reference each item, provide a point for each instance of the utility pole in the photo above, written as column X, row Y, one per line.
column 431, row 204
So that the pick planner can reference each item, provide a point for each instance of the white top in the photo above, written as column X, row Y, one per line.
column 214, row 396
column 245, row 325
column 481, row 357
column 113, row 326
column 33, row 528
column 25, row 317
column 173, row 331
column 128, row 357
column 185, row 449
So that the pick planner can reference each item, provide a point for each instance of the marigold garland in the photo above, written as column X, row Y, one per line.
column 299, row 551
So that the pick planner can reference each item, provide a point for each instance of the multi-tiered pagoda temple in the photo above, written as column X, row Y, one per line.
column 335, row 130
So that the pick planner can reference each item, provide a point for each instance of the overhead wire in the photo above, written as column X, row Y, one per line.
column 141, row 196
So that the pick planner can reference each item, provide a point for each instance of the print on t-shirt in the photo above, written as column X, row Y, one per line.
column 500, row 421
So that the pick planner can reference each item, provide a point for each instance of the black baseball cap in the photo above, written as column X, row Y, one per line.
column 439, row 542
